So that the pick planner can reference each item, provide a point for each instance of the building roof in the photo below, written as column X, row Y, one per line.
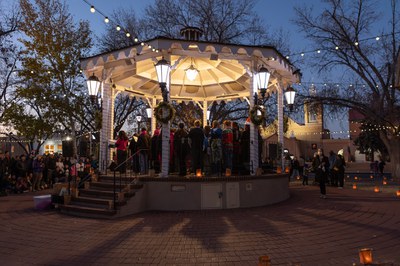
column 225, row 70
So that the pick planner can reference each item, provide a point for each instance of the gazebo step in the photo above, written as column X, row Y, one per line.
column 87, row 211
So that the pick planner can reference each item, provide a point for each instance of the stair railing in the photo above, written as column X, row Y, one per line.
column 128, row 163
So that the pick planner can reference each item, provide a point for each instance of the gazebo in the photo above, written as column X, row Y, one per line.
column 201, row 72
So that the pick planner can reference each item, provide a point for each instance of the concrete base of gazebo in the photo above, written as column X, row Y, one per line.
column 206, row 193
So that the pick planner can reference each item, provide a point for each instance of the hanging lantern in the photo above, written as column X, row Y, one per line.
column 365, row 256
column 93, row 84
column 355, row 178
column 371, row 176
column 290, row 93
column 262, row 79
column 163, row 69
column 384, row 182
column 149, row 112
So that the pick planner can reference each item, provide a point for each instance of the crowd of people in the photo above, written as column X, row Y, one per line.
column 212, row 149
column 32, row 172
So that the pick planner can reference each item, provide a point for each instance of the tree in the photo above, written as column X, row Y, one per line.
column 8, row 57
column 113, row 39
column 52, row 82
column 343, row 32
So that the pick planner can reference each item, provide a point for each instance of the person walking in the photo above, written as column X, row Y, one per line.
column 122, row 153
column 323, row 169
column 338, row 170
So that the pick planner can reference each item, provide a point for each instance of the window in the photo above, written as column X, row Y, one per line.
column 312, row 117
column 48, row 149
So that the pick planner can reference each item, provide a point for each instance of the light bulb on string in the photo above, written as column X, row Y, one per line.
column 118, row 28
column 106, row 20
column 128, row 34
column 92, row 9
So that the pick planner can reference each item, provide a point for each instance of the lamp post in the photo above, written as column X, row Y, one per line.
column 290, row 93
column 163, row 68
column 93, row 84
column 262, row 79
column 138, row 119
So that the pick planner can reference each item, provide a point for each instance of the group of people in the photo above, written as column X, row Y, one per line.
column 326, row 169
column 37, row 172
column 211, row 150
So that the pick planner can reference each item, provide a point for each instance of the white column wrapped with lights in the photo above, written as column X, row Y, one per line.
column 280, row 123
column 163, row 69
column 107, row 122
column 260, row 83
column 253, row 131
column 205, row 116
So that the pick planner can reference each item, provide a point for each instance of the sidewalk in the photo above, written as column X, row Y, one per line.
column 304, row 230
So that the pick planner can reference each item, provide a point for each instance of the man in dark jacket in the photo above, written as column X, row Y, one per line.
column 181, row 148
column 196, row 140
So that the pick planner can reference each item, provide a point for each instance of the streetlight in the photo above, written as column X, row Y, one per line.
column 290, row 93
column 262, row 79
column 138, row 119
column 93, row 84
column 163, row 68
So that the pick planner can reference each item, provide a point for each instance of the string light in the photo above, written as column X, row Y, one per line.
column 356, row 43
column 118, row 27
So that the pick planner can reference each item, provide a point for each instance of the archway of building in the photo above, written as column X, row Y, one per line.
column 224, row 72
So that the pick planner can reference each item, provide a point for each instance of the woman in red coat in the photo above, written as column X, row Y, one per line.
column 122, row 153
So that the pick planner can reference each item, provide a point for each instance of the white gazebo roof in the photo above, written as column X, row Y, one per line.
column 224, row 69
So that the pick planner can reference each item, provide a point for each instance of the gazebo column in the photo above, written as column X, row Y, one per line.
column 165, row 148
column 280, row 123
column 253, row 133
column 107, row 126
column 205, row 108
column 153, row 120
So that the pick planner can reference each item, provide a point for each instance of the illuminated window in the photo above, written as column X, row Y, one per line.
column 312, row 117
column 48, row 149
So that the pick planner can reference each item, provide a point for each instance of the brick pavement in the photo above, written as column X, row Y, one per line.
column 304, row 230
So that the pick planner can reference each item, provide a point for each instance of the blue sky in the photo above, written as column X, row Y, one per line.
column 276, row 14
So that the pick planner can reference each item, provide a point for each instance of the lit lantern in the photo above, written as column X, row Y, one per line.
column 298, row 177
column 354, row 186
column 279, row 170
column 228, row 172
column 355, row 178
column 384, row 182
column 376, row 189
column 365, row 256
column 384, row 178
column 264, row 261
column 398, row 193
column 198, row 172
column 287, row 169
column 371, row 176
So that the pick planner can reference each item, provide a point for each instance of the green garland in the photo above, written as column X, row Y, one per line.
column 254, row 117
column 160, row 109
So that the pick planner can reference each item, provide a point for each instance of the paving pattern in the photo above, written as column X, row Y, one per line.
column 304, row 230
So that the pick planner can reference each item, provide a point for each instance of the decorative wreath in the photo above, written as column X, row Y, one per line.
column 164, row 112
column 257, row 119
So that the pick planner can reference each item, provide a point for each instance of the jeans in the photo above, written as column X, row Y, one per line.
column 143, row 162
column 228, row 154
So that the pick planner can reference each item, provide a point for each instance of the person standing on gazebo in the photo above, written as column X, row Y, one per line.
column 216, row 148
column 122, row 153
column 227, row 144
column 181, row 148
column 196, row 141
